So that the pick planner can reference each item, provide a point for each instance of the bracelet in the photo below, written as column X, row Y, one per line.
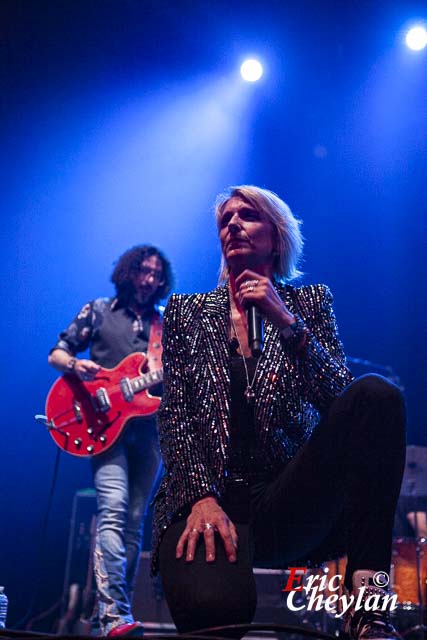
column 295, row 334
column 71, row 364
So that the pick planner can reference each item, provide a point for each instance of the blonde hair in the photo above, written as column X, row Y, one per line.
column 288, row 241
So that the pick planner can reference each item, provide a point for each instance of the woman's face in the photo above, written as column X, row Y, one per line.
column 246, row 237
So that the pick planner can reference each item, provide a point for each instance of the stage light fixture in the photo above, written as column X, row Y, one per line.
column 416, row 38
column 251, row 70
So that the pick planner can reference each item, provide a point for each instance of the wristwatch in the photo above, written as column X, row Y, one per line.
column 290, row 330
column 295, row 334
column 71, row 364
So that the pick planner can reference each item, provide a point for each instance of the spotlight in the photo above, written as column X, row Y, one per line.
column 416, row 38
column 251, row 70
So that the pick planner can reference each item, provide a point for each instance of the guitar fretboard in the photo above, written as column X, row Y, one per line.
column 147, row 380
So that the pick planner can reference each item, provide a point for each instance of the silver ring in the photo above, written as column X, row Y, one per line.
column 194, row 530
column 207, row 526
column 251, row 284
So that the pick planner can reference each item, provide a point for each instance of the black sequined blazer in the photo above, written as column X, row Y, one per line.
column 292, row 388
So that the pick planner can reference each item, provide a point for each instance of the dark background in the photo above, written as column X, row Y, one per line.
column 122, row 119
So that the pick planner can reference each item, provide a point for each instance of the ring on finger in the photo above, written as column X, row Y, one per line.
column 194, row 530
column 251, row 284
column 207, row 526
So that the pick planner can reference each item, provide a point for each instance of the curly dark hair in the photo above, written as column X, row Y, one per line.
column 130, row 263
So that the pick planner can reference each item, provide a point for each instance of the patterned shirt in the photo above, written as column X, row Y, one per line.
column 111, row 332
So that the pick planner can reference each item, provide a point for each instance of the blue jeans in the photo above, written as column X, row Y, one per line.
column 124, row 479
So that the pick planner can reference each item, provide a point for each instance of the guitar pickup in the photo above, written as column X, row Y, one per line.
column 103, row 400
column 126, row 389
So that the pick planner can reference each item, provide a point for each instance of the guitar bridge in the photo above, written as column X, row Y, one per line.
column 103, row 400
column 78, row 412
column 126, row 389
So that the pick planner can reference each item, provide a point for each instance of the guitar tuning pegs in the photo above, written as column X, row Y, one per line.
column 103, row 439
column 78, row 442
column 89, row 448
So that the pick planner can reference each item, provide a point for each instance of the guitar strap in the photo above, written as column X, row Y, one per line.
column 154, row 350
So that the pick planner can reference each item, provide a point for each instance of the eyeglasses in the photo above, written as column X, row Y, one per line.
column 146, row 272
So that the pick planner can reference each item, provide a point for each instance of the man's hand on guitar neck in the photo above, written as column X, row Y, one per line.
column 63, row 362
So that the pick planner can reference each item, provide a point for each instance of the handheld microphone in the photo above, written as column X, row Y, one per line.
column 255, row 330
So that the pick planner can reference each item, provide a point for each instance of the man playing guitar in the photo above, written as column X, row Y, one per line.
column 125, row 472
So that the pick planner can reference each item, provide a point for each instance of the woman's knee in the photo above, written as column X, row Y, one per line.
column 201, row 594
column 372, row 387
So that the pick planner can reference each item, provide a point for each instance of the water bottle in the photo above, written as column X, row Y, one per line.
column 3, row 608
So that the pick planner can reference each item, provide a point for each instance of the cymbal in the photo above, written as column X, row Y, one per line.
column 414, row 481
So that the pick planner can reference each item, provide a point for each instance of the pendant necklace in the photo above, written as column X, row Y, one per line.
column 249, row 391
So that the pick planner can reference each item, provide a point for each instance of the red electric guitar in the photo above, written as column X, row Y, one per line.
column 87, row 418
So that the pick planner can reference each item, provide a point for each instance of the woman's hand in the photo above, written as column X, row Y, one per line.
column 205, row 518
column 252, row 288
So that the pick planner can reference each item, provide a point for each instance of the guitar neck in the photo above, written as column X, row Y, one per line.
column 147, row 380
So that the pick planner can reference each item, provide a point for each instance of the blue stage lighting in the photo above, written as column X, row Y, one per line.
column 416, row 38
column 251, row 70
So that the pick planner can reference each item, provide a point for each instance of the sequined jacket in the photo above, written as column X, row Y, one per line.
column 292, row 388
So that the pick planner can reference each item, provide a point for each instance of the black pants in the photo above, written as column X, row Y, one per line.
column 341, row 487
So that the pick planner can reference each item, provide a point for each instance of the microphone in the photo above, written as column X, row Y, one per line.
column 255, row 330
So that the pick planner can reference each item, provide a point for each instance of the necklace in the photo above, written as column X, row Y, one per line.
column 249, row 391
